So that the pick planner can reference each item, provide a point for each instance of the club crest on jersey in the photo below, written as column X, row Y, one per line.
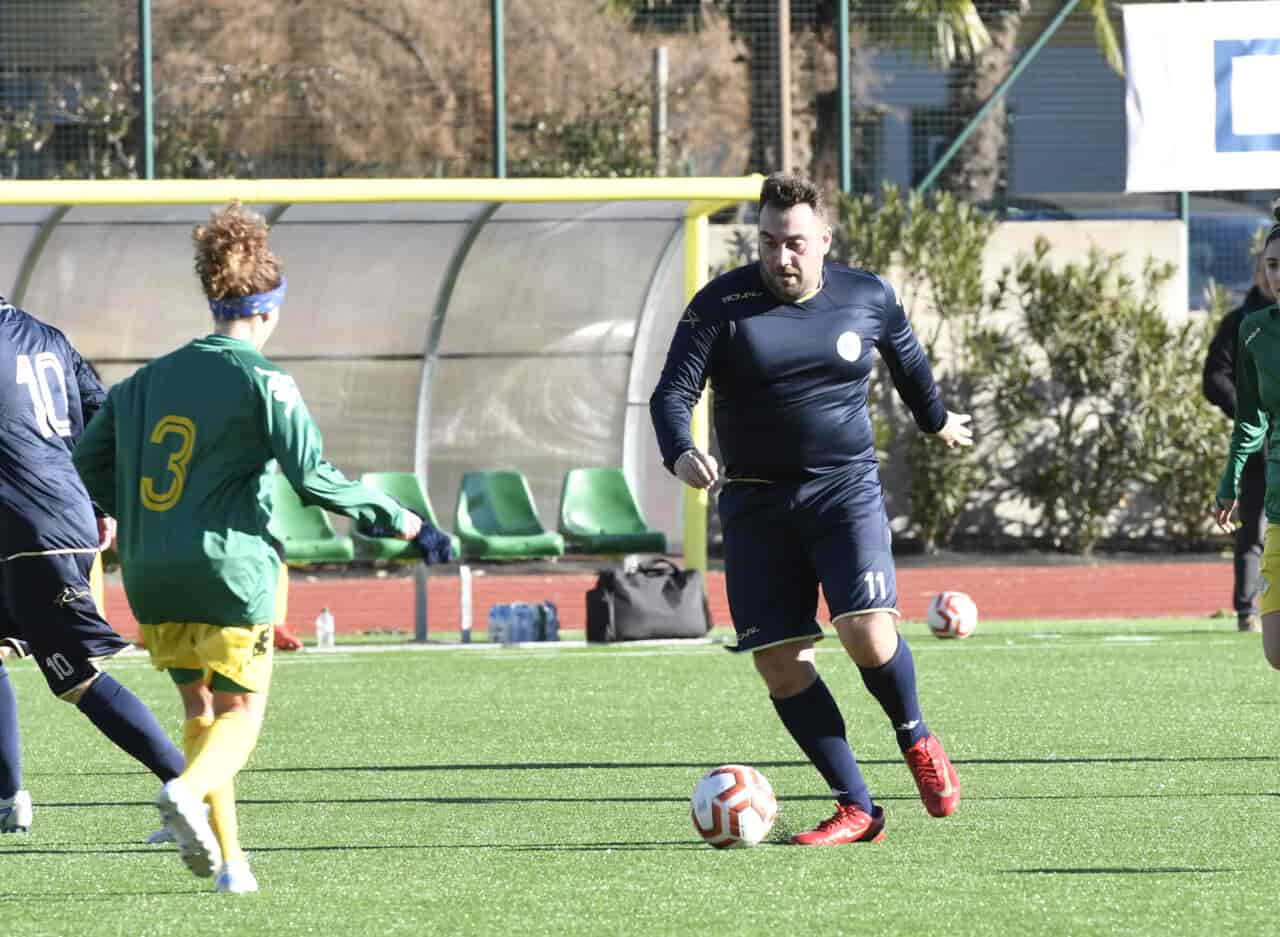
column 282, row 387
column 849, row 346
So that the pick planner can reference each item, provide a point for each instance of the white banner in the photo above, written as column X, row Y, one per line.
column 1203, row 98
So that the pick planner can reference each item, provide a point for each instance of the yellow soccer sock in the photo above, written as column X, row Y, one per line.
column 225, row 823
column 192, row 732
column 223, row 750
column 222, row 802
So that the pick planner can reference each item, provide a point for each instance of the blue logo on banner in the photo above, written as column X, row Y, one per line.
column 1225, row 51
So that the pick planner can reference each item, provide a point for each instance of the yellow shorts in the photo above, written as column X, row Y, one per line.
column 240, row 653
column 1269, row 580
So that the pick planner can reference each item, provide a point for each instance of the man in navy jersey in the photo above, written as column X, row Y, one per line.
column 49, row 536
column 786, row 344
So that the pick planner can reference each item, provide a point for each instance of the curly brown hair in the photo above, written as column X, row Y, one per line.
column 232, row 257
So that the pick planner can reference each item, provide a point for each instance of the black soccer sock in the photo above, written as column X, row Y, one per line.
column 10, row 741
column 123, row 718
column 894, row 686
column 814, row 721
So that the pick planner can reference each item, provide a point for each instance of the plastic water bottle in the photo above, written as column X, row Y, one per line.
column 550, row 622
column 526, row 623
column 498, row 624
column 510, row 624
column 324, row 629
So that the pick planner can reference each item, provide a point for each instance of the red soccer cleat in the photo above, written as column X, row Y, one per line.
column 285, row 639
column 935, row 777
column 850, row 824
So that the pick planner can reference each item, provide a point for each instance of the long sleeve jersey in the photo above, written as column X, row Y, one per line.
column 47, row 395
column 1257, row 406
column 181, row 452
column 790, row 380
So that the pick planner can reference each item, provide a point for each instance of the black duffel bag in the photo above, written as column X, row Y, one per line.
column 655, row 600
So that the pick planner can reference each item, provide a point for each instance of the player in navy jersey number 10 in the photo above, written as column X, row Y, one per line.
column 49, row 537
column 786, row 344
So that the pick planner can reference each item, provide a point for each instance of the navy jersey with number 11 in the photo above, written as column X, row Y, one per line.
column 47, row 394
column 790, row 380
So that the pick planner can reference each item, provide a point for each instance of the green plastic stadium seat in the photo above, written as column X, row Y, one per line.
column 404, row 487
column 305, row 531
column 495, row 519
column 598, row 514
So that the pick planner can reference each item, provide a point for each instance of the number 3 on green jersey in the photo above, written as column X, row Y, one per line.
column 161, row 500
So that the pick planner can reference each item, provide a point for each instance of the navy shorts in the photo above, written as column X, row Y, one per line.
column 784, row 540
column 47, row 601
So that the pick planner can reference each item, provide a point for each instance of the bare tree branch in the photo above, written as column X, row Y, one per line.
column 403, row 39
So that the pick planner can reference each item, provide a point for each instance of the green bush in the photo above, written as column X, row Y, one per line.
column 1189, row 442
column 1080, row 383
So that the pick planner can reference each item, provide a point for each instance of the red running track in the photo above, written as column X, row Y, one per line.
column 1105, row 590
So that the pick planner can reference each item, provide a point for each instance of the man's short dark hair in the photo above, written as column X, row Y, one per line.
column 783, row 191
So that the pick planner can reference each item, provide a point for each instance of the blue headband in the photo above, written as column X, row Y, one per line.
column 241, row 307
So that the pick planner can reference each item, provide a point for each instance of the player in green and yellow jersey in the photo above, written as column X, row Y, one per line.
column 1257, row 418
column 181, row 454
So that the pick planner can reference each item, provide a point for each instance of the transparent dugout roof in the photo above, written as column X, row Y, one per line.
column 439, row 335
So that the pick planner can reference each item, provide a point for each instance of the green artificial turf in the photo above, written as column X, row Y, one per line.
column 1119, row 778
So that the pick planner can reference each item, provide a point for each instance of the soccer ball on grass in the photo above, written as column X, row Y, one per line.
column 733, row 805
column 952, row 615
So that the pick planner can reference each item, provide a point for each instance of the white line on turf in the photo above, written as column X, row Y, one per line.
column 584, row 651
column 581, row 650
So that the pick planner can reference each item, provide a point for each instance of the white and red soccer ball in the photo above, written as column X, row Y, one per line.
column 952, row 615
column 733, row 805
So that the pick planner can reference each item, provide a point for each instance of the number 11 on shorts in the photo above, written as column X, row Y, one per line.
column 874, row 580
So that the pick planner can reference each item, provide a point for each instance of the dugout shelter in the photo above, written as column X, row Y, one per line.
column 438, row 325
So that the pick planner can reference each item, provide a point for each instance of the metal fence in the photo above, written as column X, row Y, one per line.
column 588, row 87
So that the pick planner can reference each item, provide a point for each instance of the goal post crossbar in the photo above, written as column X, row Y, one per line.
column 704, row 194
